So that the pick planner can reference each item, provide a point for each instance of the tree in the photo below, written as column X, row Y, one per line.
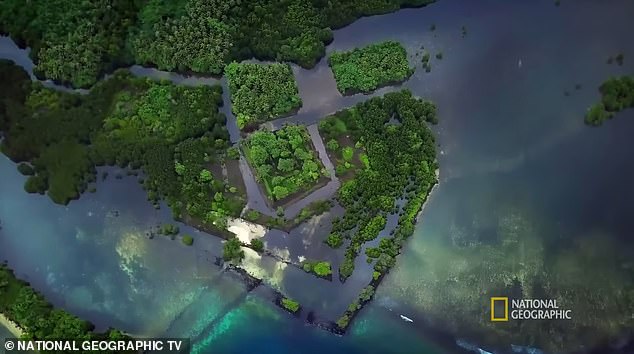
column 252, row 215
column 232, row 251
column 205, row 176
column 332, row 145
column 367, row 293
column 347, row 153
column 334, row 240
column 257, row 244
column 233, row 153
column 286, row 165
column 322, row 269
column 290, row 305
column 36, row 184
column 26, row 169
column 280, row 192
column 343, row 321
column 187, row 240
column 259, row 155
column 346, row 268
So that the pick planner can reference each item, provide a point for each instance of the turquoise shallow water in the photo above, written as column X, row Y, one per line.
column 103, row 268
column 514, row 152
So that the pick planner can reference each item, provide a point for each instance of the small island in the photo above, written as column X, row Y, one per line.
column 369, row 68
column 290, row 305
column 261, row 92
column 617, row 94
column 321, row 269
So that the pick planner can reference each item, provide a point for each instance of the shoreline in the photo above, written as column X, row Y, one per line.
column 429, row 194
column 13, row 327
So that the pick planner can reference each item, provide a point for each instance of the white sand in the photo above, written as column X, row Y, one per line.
column 245, row 231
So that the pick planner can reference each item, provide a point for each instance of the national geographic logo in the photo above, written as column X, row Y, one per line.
column 499, row 309
column 527, row 309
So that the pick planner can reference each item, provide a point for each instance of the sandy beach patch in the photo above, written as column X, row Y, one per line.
column 244, row 230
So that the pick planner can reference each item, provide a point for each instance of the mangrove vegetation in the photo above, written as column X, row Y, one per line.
column 401, row 164
column 284, row 161
column 260, row 92
column 38, row 318
column 366, row 69
column 617, row 94
column 77, row 41
column 174, row 134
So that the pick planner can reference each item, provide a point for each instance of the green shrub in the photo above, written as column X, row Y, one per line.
column 353, row 306
column 332, row 145
column 343, row 321
column 257, row 244
column 291, row 305
column 334, row 240
column 36, row 184
column 26, row 169
column 169, row 230
column 232, row 251
column 233, row 153
column 252, row 215
column 188, row 240
column 366, row 293
column 347, row 153
column 322, row 269
column 346, row 268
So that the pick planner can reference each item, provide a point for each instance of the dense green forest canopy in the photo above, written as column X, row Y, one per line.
column 366, row 69
column 260, row 92
column 284, row 161
column 75, row 41
column 174, row 133
column 72, row 41
column 204, row 35
column 401, row 164
column 38, row 318
column 617, row 94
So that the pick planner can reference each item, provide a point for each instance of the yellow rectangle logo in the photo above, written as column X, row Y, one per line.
column 495, row 316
